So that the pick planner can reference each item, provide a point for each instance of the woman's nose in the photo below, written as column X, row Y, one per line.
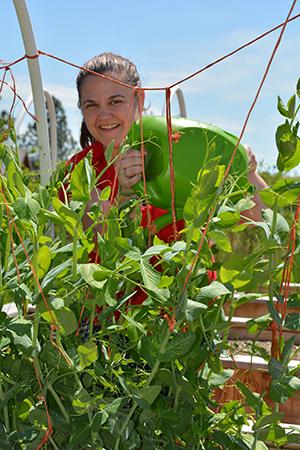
column 103, row 111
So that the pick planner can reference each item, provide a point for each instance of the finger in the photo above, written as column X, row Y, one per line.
column 130, row 162
column 133, row 170
column 133, row 180
column 133, row 152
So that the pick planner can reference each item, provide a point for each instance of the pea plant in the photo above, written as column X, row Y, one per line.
column 85, row 366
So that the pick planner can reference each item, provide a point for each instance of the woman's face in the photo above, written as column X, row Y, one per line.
column 108, row 108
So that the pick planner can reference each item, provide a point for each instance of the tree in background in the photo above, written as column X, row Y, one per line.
column 66, row 144
column 4, row 128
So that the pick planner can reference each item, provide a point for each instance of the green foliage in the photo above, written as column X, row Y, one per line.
column 287, row 139
column 115, row 374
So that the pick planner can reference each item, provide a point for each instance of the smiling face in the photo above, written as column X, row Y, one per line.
column 108, row 108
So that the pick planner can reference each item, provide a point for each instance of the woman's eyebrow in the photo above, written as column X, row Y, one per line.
column 88, row 100
column 116, row 95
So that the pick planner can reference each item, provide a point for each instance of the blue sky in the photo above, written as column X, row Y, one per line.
column 168, row 40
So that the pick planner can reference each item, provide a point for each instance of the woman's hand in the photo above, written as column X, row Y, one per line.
column 251, row 160
column 253, row 177
column 257, row 181
column 129, row 168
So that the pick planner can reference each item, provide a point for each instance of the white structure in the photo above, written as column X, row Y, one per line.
column 37, row 90
column 53, row 126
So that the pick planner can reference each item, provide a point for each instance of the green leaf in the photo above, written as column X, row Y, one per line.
column 287, row 349
column 282, row 389
column 194, row 310
column 14, row 179
column 267, row 420
column 81, row 180
column 244, row 299
column 293, row 382
column 102, row 273
column 133, row 322
column 52, row 357
column 228, row 218
column 178, row 346
column 274, row 314
column 150, row 276
column 221, row 240
column 244, row 204
column 288, row 147
column 155, row 250
column 292, row 321
column 27, row 207
column 282, row 108
column 291, row 106
column 67, row 320
column 43, row 261
column 165, row 281
column 213, row 290
column 88, row 353
column 219, row 379
column 275, row 368
column 64, row 317
column 108, row 152
column 71, row 219
column 24, row 408
column 87, row 272
column 293, row 161
column 56, row 272
column 298, row 88
column 114, row 406
column 81, row 401
column 99, row 419
column 105, row 193
column 260, row 323
column 282, row 226
column 80, row 435
column 285, row 190
column 253, row 399
column 146, row 396
column 272, row 433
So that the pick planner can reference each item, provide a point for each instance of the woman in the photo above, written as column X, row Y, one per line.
column 109, row 106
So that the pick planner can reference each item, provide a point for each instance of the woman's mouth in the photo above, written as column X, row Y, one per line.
column 109, row 127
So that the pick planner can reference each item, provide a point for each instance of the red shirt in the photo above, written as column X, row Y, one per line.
column 109, row 179
column 99, row 163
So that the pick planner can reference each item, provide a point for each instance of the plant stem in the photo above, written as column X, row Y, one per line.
column 204, row 334
column 151, row 376
column 272, row 258
column 5, row 410
column 75, row 239
column 92, row 317
column 59, row 403
column 53, row 443
column 7, row 252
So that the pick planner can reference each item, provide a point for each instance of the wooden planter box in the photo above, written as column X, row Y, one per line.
column 238, row 331
column 254, row 373
column 255, row 308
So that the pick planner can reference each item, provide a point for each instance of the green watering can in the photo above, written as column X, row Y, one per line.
column 191, row 139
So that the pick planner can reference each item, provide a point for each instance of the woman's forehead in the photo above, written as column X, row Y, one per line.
column 97, row 84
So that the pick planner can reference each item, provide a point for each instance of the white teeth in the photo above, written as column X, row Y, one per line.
column 109, row 127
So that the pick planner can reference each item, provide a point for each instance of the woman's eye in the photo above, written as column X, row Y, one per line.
column 90, row 105
column 116, row 102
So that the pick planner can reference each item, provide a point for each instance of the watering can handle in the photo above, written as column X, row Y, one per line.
column 181, row 102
